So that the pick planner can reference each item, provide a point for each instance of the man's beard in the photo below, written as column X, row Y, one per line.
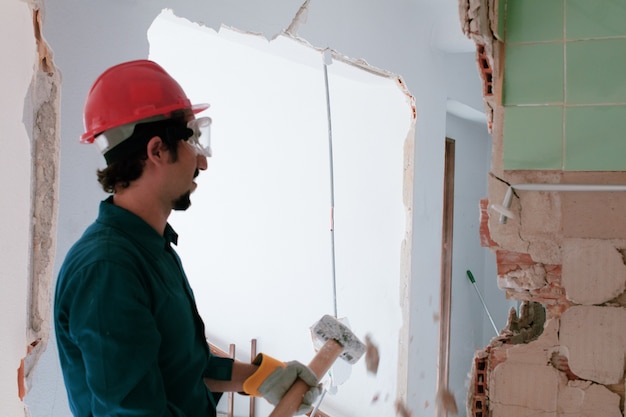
column 183, row 202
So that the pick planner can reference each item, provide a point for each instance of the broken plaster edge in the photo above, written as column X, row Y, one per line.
column 404, row 336
column 231, row 33
column 44, row 132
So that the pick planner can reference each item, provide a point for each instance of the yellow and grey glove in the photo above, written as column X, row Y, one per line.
column 274, row 378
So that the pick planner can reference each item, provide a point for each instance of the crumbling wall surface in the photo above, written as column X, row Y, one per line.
column 593, row 270
column 578, row 369
column 476, row 17
column 574, row 368
column 594, row 338
column 519, row 381
column 566, row 251
column 41, row 117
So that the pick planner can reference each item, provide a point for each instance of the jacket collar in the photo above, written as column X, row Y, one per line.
column 135, row 227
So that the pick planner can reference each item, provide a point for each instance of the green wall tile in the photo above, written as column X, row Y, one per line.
column 533, row 74
column 592, row 19
column 501, row 16
column 534, row 20
column 596, row 71
column 533, row 138
column 595, row 138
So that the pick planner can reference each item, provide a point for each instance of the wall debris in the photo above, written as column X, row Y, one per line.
column 528, row 326
column 298, row 20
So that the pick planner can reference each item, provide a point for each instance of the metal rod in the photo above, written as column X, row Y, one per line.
column 471, row 278
column 506, row 203
column 317, row 406
column 328, row 60
column 252, row 356
column 231, row 396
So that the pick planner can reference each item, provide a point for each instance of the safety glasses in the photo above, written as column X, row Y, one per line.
column 201, row 137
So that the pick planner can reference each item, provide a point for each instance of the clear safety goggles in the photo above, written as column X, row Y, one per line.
column 200, row 140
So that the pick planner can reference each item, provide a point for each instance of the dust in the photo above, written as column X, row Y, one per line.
column 446, row 402
column 402, row 410
column 372, row 357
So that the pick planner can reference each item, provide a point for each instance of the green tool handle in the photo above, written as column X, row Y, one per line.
column 482, row 301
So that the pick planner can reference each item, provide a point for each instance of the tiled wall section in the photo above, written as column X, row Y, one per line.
column 564, row 86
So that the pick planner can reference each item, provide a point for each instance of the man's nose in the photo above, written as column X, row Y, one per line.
column 202, row 162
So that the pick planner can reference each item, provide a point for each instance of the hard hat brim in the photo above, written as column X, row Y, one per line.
column 88, row 137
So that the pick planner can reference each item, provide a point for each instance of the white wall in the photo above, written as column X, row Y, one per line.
column 256, row 243
column 399, row 36
column 17, row 45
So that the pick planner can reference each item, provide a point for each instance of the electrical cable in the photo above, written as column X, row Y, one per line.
column 327, row 61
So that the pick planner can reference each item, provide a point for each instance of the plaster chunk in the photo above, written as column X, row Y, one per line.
column 594, row 339
column 584, row 399
column 530, row 277
column 593, row 271
column 530, row 386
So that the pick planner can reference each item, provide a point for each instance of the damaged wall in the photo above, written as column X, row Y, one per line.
column 563, row 250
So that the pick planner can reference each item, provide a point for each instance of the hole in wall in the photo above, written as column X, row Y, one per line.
column 256, row 243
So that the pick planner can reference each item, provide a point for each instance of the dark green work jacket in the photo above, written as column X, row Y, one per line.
column 131, row 342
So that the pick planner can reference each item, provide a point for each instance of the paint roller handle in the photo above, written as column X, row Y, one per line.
column 320, row 364
column 482, row 301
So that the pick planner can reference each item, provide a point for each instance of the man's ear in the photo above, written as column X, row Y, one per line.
column 155, row 150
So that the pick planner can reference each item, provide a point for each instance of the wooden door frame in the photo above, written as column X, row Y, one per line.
column 446, row 271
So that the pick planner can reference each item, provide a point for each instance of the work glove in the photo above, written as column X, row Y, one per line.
column 274, row 378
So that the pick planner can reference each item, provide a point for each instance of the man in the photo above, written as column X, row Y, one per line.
column 131, row 341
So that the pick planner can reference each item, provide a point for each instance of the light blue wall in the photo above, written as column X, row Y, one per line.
column 470, row 327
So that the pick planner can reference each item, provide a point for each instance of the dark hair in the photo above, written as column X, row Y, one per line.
column 125, row 162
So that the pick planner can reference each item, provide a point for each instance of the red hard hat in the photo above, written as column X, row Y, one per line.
column 130, row 92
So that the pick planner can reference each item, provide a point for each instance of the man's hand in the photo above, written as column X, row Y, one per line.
column 274, row 378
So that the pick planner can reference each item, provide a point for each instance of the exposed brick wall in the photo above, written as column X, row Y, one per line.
column 565, row 251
